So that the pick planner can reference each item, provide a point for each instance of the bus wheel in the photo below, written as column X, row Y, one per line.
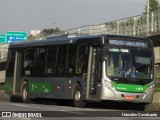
column 77, row 97
column 25, row 93
column 15, row 98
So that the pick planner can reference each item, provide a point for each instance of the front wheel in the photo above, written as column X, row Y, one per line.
column 77, row 97
column 25, row 94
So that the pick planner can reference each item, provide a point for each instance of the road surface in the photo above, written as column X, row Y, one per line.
column 21, row 111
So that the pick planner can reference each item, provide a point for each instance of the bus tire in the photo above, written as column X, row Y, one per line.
column 25, row 93
column 12, row 98
column 77, row 97
column 15, row 98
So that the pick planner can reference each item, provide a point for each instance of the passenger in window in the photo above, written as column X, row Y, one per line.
column 70, row 70
column 27, row 63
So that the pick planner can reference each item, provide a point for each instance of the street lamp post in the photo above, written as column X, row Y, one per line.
column 54, row 27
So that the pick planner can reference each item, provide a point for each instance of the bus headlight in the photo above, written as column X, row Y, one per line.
column 109, row 85
column 150, row 88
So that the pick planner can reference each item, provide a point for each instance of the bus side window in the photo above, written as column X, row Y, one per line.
column 61, row 59
column 39, row 67
column 10, row 64
column 82, row 60
column 71, row 59
column 40, row 58
column 51, row 60
column 29, row 58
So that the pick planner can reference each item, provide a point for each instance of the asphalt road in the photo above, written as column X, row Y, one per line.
column 20, row 111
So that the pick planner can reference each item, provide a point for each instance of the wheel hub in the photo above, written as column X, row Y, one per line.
column 77, row 95
column 24, row 94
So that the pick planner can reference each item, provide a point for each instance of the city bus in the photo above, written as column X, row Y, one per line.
column 86, row 68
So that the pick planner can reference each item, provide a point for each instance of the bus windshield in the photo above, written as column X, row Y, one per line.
column 129, row 63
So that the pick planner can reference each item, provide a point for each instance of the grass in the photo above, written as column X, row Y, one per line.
column 157, row 89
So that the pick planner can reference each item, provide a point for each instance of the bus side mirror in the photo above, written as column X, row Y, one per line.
column 103, row 55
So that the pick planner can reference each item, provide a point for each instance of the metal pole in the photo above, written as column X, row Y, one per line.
column 117, row 29
column 54, row 27
column 147, row 16
column 90, row 29
column 152, row 21
column 134, row 26
column 79, row 31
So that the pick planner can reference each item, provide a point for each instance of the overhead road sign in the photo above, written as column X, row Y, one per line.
column 16, row 37
column 2, row 38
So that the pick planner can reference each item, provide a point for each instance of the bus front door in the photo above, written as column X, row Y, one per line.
column 93, row 80
column 17, row 74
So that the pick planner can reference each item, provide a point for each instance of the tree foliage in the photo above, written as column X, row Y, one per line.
column 44, row 33
column 50, row 31
column 153, row 6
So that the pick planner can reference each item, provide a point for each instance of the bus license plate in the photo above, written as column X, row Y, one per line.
column 129, row 97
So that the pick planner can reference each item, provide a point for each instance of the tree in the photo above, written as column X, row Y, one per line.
column 45, row 33
column 153, row 6
column 50, row 31
column 31, row 37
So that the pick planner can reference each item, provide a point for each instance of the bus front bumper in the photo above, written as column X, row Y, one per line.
column 127, row 96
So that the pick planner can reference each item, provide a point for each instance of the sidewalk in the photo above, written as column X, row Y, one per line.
column 155, row 105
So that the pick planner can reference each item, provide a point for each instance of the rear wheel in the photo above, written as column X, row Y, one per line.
column 77, row 97
column 15, row 98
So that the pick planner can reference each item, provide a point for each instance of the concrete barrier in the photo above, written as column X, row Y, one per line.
column 3, row 96
column 155, row 105
column 2, row 76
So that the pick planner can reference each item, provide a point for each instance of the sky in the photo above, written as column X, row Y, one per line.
column 27, row 15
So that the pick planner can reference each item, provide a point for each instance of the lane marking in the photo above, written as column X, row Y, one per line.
column 20, row 105
column 24, row 118
column 74, row 112
column 78, row 113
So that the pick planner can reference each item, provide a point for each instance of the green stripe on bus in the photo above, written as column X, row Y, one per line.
column 130, row 87
column 9, row 86
column 40, row 87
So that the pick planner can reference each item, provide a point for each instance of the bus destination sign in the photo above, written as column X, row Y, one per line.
column 128, row 43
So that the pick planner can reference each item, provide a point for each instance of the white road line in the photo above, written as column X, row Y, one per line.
column 82, row 109
column 74, row 112
column 63, row 110
column 24, row 118
column 65, row 106
column 20, row 105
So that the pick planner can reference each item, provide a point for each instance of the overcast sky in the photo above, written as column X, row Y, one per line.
column 26, row 15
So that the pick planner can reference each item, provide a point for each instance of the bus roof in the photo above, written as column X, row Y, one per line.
column 83, row 39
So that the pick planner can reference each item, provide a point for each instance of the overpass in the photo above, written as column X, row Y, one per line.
column 145, row 25
column 3, row 57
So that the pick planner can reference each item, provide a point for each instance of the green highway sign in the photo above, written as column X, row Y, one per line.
column 2, row 38
column 16, row 37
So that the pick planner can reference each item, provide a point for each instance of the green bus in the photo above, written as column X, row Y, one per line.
column 82, row 68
